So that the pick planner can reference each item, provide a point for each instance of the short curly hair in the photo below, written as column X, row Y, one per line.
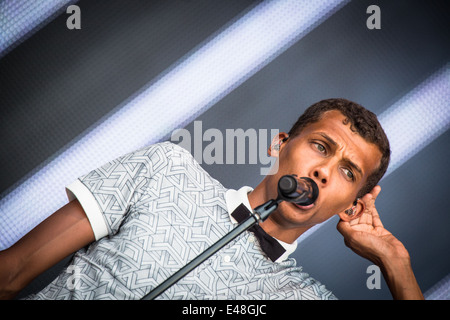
column 362, row 121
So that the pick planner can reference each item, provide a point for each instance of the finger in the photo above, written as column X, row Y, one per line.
column 369, row 198
column 373, row 210
column 375, row 192
column 376, row 218
column 366, row 218
column 355, row 221
column 343, row 227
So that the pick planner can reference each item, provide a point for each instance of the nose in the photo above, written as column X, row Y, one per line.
column 322, row 175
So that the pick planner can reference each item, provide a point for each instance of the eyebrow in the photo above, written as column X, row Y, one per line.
column 328, row 138
column 335, row 144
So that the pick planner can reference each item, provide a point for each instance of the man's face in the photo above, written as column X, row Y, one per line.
column 336, row 158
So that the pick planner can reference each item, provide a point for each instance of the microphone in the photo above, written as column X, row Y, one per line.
column 302, row 191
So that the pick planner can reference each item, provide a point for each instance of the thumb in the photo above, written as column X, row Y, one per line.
column 345, row 230
column 344, row 227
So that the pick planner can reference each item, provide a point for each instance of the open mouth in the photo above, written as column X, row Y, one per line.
column 304, row 207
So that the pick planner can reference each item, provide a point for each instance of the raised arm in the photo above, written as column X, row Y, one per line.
column 367, row 236
column 64, row 232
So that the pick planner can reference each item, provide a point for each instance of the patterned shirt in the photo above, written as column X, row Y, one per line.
column 154, row 210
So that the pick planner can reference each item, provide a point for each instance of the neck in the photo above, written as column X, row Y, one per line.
column 275, row 225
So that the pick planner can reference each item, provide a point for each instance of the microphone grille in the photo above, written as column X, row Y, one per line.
column 287, row 185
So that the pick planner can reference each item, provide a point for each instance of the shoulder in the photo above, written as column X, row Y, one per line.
column 168, row 157
column 158, row 155
column 164, row 149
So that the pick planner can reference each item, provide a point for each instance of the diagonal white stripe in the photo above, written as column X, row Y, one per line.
column 19, row 19
column 440, row 291
column 418, row 118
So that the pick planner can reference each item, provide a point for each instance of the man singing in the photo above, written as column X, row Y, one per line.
column 136, row 220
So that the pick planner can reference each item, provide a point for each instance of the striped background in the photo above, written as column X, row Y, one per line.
column 62, row 91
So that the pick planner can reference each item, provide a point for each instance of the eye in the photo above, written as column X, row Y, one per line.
column 320, row 148
column 349, row 174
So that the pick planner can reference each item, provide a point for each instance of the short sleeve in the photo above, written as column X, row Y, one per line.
column 107, row 192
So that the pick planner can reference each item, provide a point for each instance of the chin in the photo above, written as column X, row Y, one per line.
column 296, row 214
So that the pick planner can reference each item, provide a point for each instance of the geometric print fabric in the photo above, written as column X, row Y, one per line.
column 158, row 209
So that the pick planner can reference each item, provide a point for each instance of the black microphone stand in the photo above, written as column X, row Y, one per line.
column 259, row 214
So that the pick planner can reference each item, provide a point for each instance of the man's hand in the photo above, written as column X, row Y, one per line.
column 367, row 237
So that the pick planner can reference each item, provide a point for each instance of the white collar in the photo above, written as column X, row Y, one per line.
column 234, row 198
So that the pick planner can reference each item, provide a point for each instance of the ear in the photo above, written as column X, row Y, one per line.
column 277, row 144
column 354, row 211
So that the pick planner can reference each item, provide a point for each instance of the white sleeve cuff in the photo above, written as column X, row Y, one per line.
column 78, row 190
